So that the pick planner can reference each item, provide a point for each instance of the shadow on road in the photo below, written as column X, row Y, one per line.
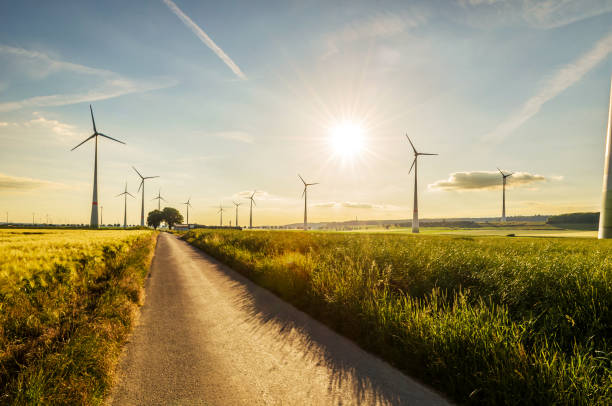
column 371, row 380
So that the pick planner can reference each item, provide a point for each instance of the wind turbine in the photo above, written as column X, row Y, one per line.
column 251, row 198
column 94, row 203
column 305, row 196
column 187, row 205
column 415, row 212
column 236, row 204
column 221, row 208
column 142, row 180
column 605, row 217
column 159, row 198
column 504, row 176
column 125, row 195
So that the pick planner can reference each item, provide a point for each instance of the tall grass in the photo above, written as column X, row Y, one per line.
column 67, row 300
column 486, row 320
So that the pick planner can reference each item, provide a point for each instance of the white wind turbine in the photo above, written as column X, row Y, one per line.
column 125, row 194
column 142, row 181
column 415, row 212
column 236, row 204
column 504, row 176
column 221, row 208
column 159, row 198
column 305, row 196
column 251, row 198
column 94, row 203
column 188, row 205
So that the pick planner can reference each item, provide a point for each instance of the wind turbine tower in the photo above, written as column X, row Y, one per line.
column 187, row 205
column 504, row 176
column 125, row 194
column 221, row 208
column 605, row 216
column 415, row 211
column 305, row 196
column 159, row 198
column 236, row 204
column 251, row 198
column 142, row 181
column 94, row 203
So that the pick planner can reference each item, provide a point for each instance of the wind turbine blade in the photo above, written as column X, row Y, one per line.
column 303, row 181
column 111, row 138
column 92, row 120
column 141, row 183
column 138, row 172
column 120, row 194
column 425, row 153
column 411, row 144
column 500, row 171
column 87, row 139
column 130, row 194
column 412, row 166
column 303, row 192
column 253, row 200
column 310, row 184
column 150, row 177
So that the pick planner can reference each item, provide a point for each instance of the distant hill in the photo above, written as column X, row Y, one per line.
column 574, row 218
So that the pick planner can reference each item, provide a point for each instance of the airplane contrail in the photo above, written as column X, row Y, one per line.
column 205, row 38
column 560, row 81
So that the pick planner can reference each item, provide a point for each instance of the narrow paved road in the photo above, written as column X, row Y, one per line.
column 209, row 336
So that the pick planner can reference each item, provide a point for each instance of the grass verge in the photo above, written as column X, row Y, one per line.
column 485, row 320
column 67, row 302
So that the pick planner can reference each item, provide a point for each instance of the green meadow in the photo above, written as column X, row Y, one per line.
column 486, row 320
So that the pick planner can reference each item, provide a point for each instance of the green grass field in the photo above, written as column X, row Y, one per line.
column 487, row 320
column 67, row 300
column 490, row 231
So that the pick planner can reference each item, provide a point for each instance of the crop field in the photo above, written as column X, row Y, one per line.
column 67, row 300
column 487, row 320
column 491, row 231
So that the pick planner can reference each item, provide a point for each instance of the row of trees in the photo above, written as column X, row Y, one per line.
column 168, row 215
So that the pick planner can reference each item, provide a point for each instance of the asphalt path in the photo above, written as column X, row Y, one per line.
column 208, row 336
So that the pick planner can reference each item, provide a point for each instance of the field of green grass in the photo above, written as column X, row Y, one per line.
column 487, row 320
column 67, row 301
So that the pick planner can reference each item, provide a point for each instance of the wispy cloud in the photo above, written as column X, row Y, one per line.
column 10, row 183
column 64, row 130
column 479, row 180
column 559, row 81
column 542, row 14
column 240, row 136
column 349, row 205
column 205, row 38
column 381, row 25
column 112, row 84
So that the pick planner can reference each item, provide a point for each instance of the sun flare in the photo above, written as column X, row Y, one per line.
column 347, row 138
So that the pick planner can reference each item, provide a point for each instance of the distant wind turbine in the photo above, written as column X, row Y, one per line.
column 142, row 180
column 504, row 176
column 415, row 212
column 187, row 205
column 305, row 196
column 159, row 198
column 94, row 203
column 221, row 208
column 236, row 204
column 125, row 194
column 251, row 198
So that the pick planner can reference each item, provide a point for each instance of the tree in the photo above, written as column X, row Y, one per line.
column 155, row 218
column 172, row 216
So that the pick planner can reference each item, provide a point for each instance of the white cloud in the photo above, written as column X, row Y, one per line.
column 205, row 38
column 479, row 180
column 10, row 183
column 558, row 82
column 111, row 84
column 240, row 136
column 3, row 124
column 381, row 25
column 59, row 128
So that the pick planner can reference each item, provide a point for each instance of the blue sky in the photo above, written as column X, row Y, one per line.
column 521, row 85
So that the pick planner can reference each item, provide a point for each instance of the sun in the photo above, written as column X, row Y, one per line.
column 346, row 138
